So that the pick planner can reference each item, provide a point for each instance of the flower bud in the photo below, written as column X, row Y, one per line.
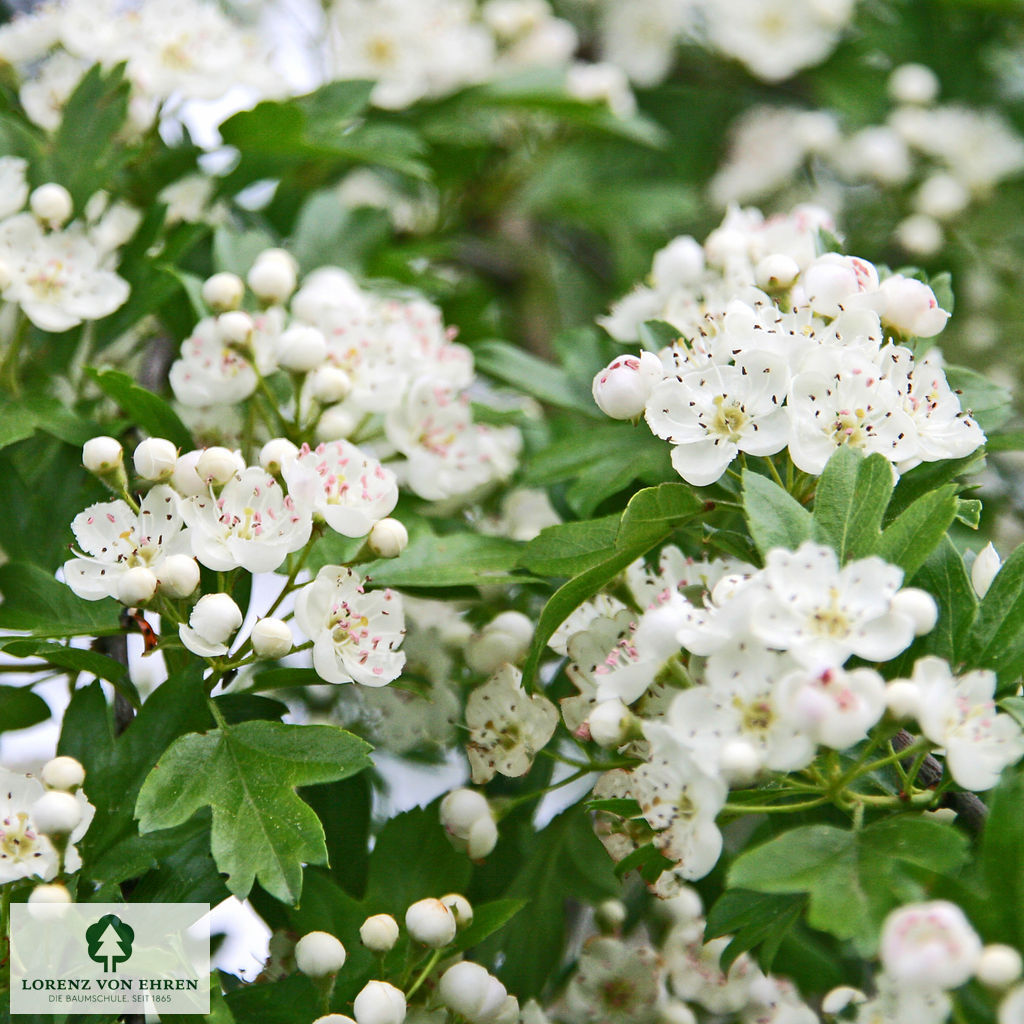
column 273, row 276
column 318, row 954
column 482, row 837
column 461, row 908
column 919, row 234
column 52, row 204
column 218, row 465
column 155, row 458
column 471, row 991
column 913, row 83
column 329, row 384
column 334, row 1018
column 919, row 606
column 910, row 307
column 335, row 423
column 986, row 566
column 506, row 638
column 610, row 916
column 612, row 723
column 178, row 576
column 185, row 479
column 379, row 932
column 460, row 808
column 388, row 538
column 48, row 902
column 622, row 388
column 999, row 966
column 941, row 196
column 776, row 271
column 275, row 453
column 678, row 263
column 429, row 921
column 136, row 586
column 56, row 813
column 102, row 455
column 63, row 773
column 833, row 281
column 840, row 998
column 235, row 328
column 215, row 617
column 271, row 638
column 379, row 1003
column 301, row 348
column 903, row 699
column 223, row 292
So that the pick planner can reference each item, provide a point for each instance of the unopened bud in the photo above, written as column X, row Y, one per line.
column 155, row 458
column 56, row 813
column 998, row 966
column 63, row 773
column 622, row 388
column 776, row 271
column 612, row 724
column 235, row 328
column 388, row 538
column 985, row 568
column 218, row 465
column 910, row 307
column 271, row 638
column 318, row 954
column 471, row 991
column 913, row 83
column 903, row 699
column 482, row 837
column 185, row 479
column 136, row 585
column 610, row 916
column 102, row 455
column 329, row 384
column 429, row 921
column 379, row 932
column 52, row 204
column 461, row 909
column 275, row 453
column 301, row 348
column 223, row 292
column 273, row 276
column 919, row 606
column 379, row 1003
column 335, row 423
column 177, row 576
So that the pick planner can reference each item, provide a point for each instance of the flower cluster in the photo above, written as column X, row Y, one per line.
column 187, row 49
column 751, row 678
column 41, row 820
column 780, row 348
column 207, row 507
column 384, row 370
column 944, row 157
column 59, row 273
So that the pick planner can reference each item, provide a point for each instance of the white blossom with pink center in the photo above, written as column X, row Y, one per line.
column 115, row 539
column 250, row 524
column 959, row 714
column 209, row 371
column 355, row 634
column 929, row 946
column 349, row 490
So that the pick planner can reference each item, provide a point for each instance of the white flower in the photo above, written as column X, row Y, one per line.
column 13, row 184
column 959, row 713
column 822, row 614
column 909, row 306
column 115, row 539
column 57, row 277
column 355, row 634
column 929, row 946
column 834, row 707
column 507, row 726
column 209, row 372
column 695, row 971
column 251, row 523
column 710, row 415
column 350, row 491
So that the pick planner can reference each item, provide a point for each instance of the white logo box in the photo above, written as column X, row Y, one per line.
column 110, row 958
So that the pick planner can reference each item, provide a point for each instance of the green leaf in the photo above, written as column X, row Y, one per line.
column 146, row 410
column 989, row 403
column 1001, row 860
column 912, row 536
column 651, row 517
column 754, row 921
column 776, row 519
column 657, row 334
column 20, row 708
column 288, row 1001
column 455, row 560
column 36, row 602
column 535, row 376
column 968, row 512
column 21, row 419
column 489, row 918
column 853, row 879
column 570, row 548
column 1010, row 441
column 236, row 251
column 75, row 659
column 997, row 639
column 849, row 502
column 248, row 773
column 928, row 477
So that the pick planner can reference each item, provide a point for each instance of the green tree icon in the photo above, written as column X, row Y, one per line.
column 110, row 942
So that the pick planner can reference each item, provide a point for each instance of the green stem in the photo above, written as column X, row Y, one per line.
column 801, row 805
column 424, row 974
column 897, row 755
column 774, row 472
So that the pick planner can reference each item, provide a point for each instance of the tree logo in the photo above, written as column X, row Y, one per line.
column 110, row 942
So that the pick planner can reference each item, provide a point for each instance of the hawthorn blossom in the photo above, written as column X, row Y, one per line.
column 614, row 983
column 209, row 371
column 960, row 715
column 507, row 726
column 350, row 491
column 927, row 946
column 114, row 539
column 251, row 523
column 834, row 707
column 355, row 634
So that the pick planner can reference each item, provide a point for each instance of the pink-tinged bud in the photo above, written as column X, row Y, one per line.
column 379, row 1003
column 318, row 954
column 910, row 307
column 834, row 282
column 271, row 638
column 929, row 946
column 622, row 388
column 155, row 458
column 223, row 292
column 429, row 921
